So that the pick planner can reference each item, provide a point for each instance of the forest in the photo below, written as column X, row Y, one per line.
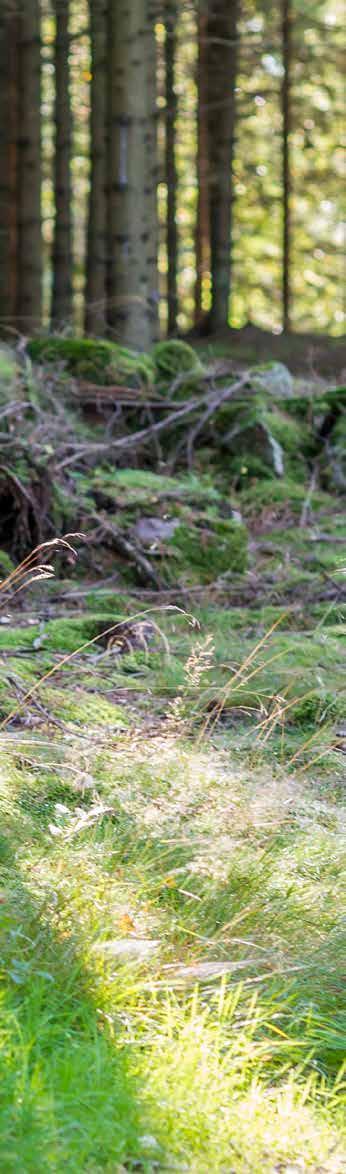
column 172, row 586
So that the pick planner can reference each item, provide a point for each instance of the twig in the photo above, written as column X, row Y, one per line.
column 211, row 401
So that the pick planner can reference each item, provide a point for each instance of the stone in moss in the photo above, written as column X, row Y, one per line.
column 211, row 552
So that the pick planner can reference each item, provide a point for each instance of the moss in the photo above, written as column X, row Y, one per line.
column 211, row 552
column 6, row 564
column 61, row 635
column 83, row 708
column 8, row 373
column 67, row 635
column 310, row 711
column 173, row 359
column 287, row 491
column 130, row 487
column 96, row 360
column 294, row 435
column 18, row 637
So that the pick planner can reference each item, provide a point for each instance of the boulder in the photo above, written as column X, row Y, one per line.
column 273, row 378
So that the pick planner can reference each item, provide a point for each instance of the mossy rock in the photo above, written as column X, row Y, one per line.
column 273, row 378
column 174, row 360
column 250, row 437
column 97, row 360
column 335, row 456
column 273, row 492
column 209, row 551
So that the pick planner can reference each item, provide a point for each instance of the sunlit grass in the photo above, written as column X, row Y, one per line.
column 124, row 873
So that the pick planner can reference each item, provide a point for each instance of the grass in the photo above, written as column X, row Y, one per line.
column 172, row 945
column 125, row 873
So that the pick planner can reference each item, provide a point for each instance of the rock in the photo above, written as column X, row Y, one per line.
column 254, row 438
column 335, row 451
column 274, row 378
column 150, row 531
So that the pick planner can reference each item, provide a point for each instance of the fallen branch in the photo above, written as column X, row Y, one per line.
column 211, row 402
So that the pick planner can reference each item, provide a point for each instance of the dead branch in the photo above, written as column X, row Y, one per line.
column 210, row 402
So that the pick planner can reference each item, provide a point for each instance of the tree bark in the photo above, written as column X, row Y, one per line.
column 222, row 36
column 95, row 293
column 132, row 174
column 61, row 312
column 203, row 209
column 286, row 162
column 29, row 299
column 8, row 164
column 171, row 16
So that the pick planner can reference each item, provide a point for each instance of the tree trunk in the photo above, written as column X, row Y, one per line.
column 95, row 293
column 203, row 210
column 222, row 46
column 29, row 299
column 8, row 165
column 286, row 162
column 61, row 313
column 132, row 174
column 171, row 17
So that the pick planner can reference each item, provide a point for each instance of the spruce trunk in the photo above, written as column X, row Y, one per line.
column 132, row 174
column 61, row 313
column 286, row 162
column 95, row 293
column 203, row 210
column 223, row 18
column 29, row 298
column 8, row 164
column 171, row 16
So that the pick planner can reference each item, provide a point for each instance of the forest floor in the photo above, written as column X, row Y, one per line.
column 173, row 849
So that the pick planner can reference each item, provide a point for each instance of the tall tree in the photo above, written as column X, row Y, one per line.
column 222, row 46
column 95, row 292
column 29, row 299
column 203, row 211
column 132, row 173
column 8, row 162
column 286, row 160
column 171, row 17
column 61, row 312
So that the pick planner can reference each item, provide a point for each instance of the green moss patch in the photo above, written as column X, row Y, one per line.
column 98, row 361
column 83, row 708
column 210, row 552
